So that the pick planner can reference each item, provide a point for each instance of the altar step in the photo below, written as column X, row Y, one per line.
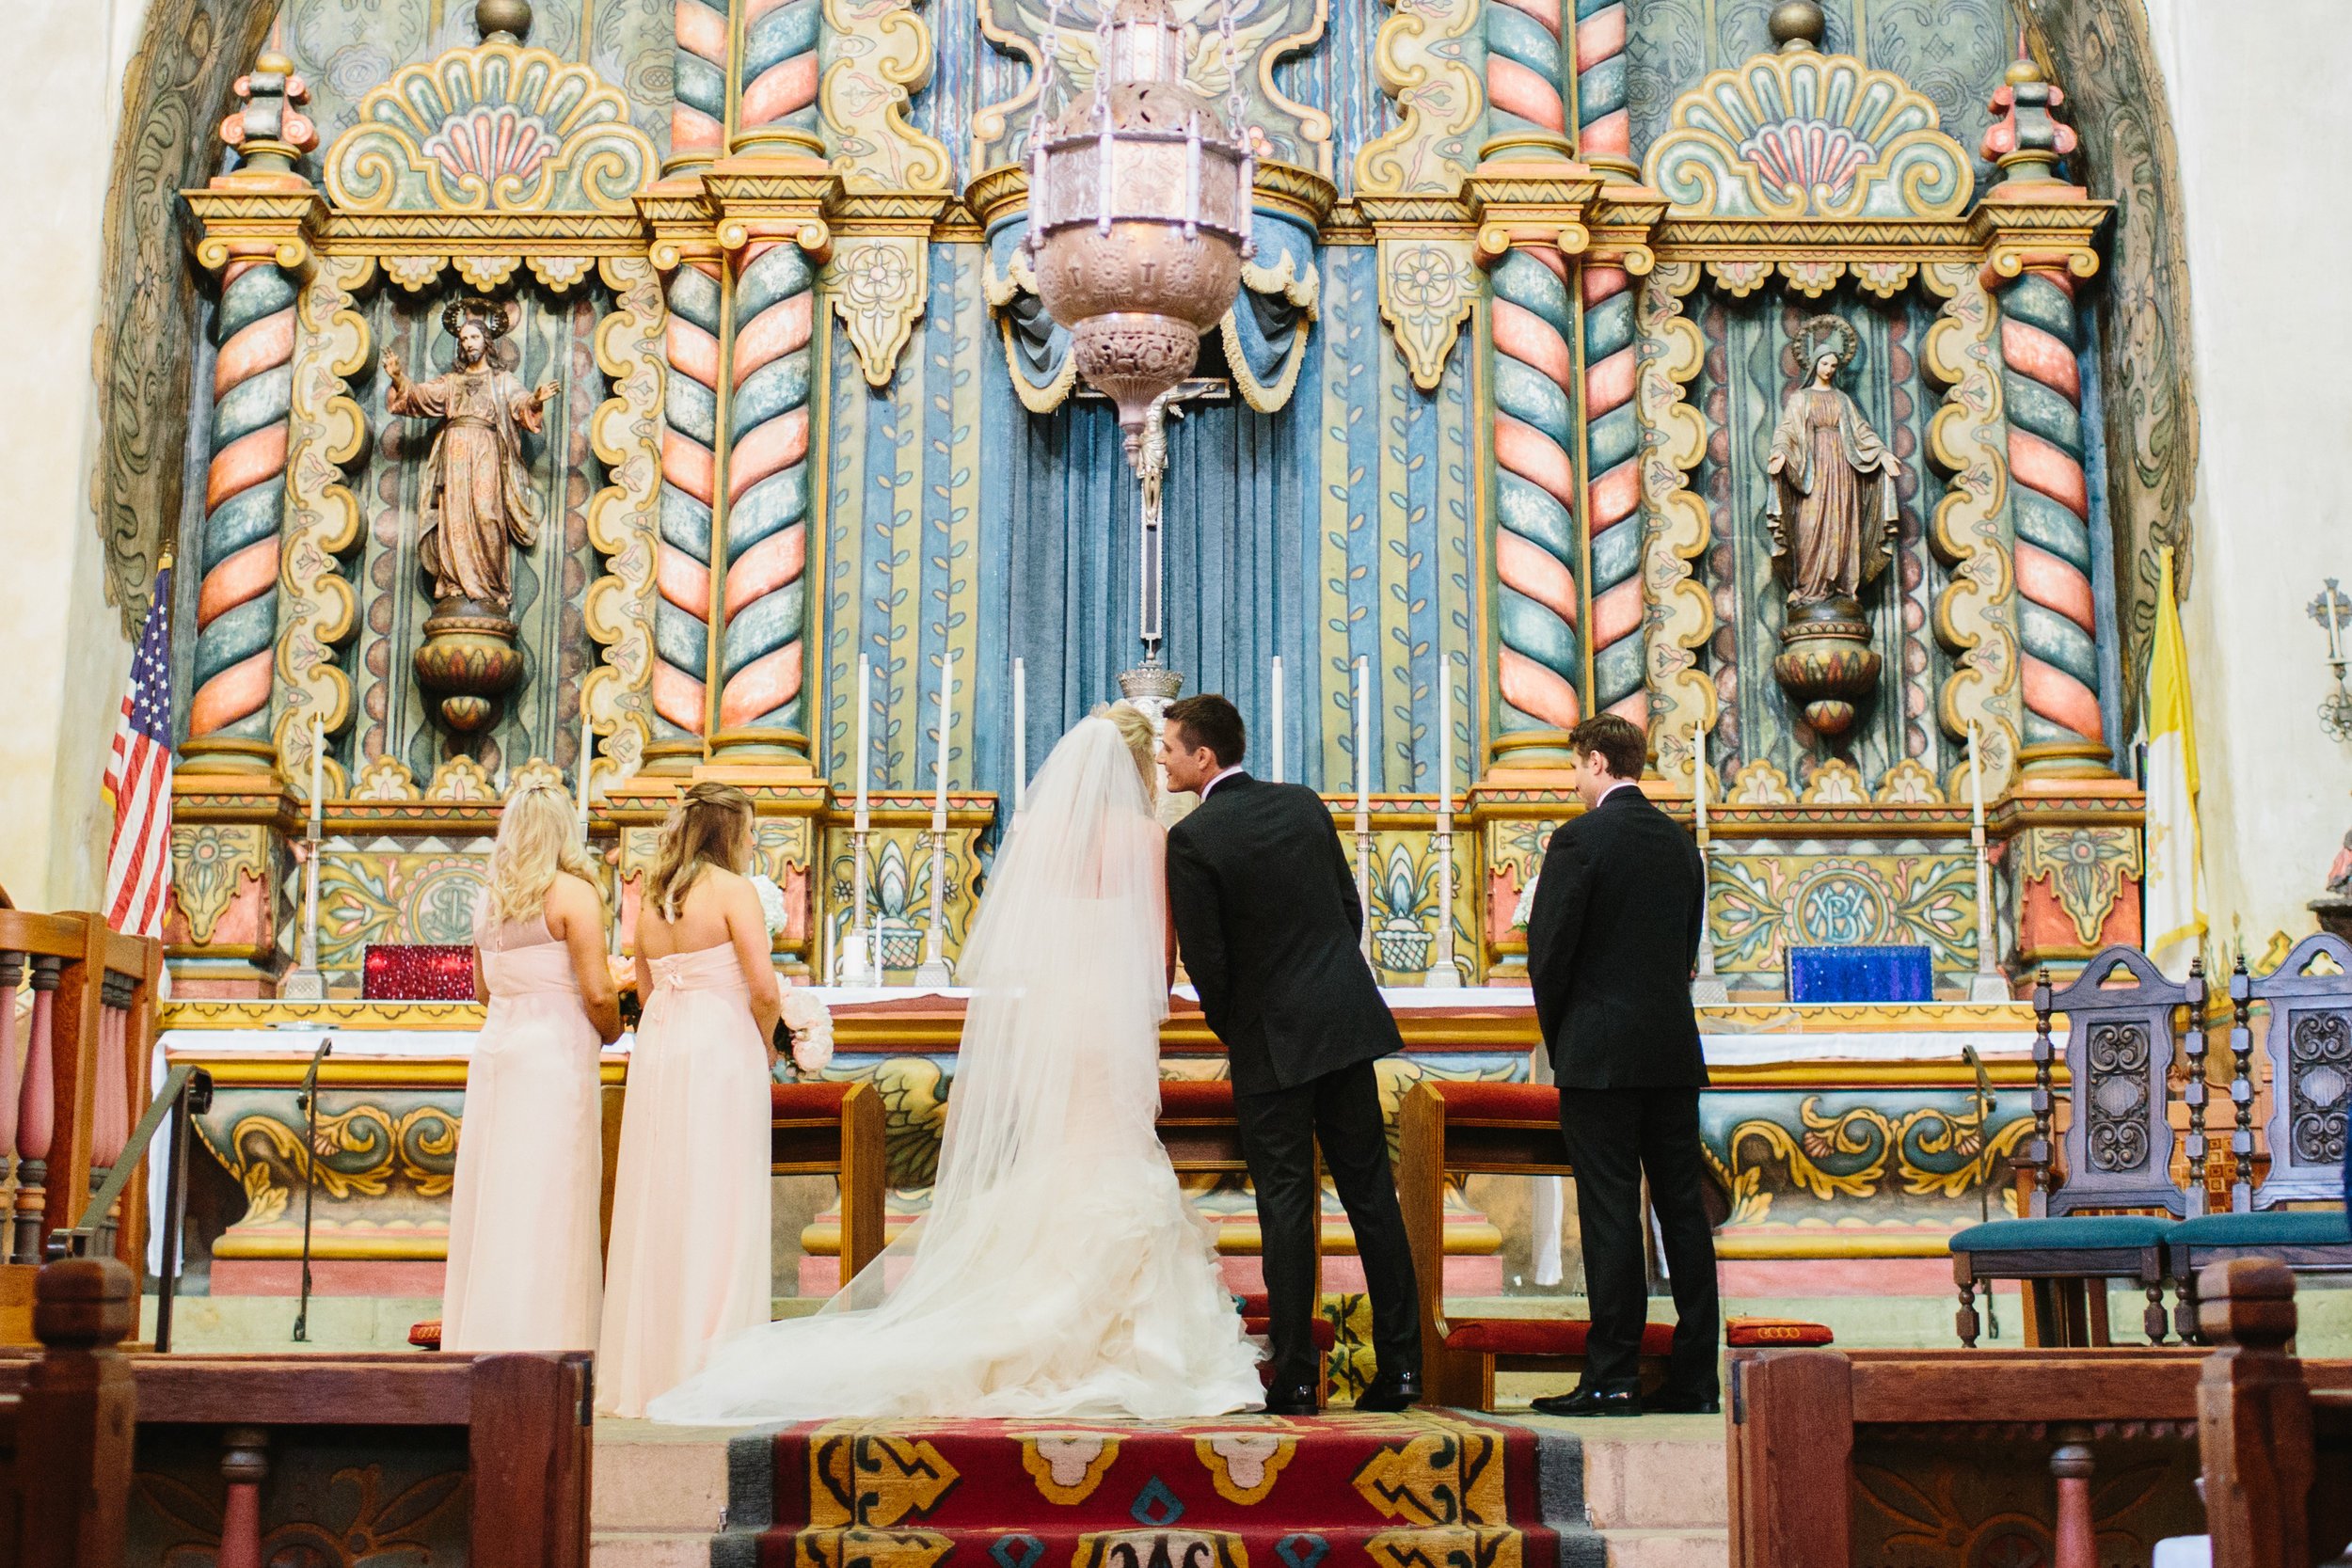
column 1646, row 1494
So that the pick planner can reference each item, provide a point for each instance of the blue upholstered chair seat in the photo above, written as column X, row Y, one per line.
column 2072, row 1232
column 2277, row 1227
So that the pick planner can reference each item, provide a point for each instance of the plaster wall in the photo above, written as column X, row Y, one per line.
column 2259, row 112
column 63, row 659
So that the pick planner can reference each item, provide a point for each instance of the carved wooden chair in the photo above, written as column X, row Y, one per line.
column 2274, row 1433
column 2117, row 1157
column 832, row 1128
column 2309, row 1044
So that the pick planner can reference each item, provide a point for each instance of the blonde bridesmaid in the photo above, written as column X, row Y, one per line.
column 689, row 1260
column 523, row 1269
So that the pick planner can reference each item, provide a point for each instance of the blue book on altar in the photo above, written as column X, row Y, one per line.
column 1888, row 974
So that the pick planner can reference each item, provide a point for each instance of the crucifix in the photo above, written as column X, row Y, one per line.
column 1151, row 685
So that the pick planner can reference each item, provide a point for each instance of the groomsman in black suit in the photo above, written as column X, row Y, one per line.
column 1611, row 945
column 1267, row 913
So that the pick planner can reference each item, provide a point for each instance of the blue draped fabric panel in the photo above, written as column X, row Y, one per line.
column 1862, row 973
column 1240, row 580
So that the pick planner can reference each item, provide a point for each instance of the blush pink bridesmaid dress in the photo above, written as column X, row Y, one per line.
column 690, row 1259
column 523, row 1268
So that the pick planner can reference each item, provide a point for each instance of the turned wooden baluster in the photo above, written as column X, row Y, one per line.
column 11, row 970
column 2035, row 1168
column 110, row 1110
column 78, row 1397
column 245, row 1465
column 2242, row 1090
column 2075, row 1541
column 37, row 1113
column 2253, row 1417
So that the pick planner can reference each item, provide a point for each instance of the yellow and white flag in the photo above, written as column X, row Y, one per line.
column 2173, row 907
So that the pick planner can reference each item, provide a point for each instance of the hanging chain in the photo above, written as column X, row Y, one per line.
column 1103, row 68
column 1048, row 45
column 1236, row 103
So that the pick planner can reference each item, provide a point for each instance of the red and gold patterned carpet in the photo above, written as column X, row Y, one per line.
column 1428, row 1489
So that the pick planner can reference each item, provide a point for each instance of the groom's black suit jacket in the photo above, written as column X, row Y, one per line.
column 1267, row 913
column 1609, row 946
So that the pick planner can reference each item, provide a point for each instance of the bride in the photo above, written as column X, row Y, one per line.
column 1060, row 1271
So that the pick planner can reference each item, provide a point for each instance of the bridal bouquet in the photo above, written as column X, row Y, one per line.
column 804, row 1024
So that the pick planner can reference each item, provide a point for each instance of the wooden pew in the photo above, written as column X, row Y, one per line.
column 72, row 1080
column 2085, row 1455
column 64, row 1437
column 2277, row 1453
column 512, row 1432
column 829, row 1128
column 1201, row 1131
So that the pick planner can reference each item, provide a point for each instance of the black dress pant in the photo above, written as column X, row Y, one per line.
column 1279, row 1134
column 1613, row 1137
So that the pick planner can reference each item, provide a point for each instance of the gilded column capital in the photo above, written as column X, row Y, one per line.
column 2020, row 226
column 766, row 198
column 1541, row 201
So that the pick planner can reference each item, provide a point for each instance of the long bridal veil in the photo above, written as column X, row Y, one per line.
column 1058, row 1270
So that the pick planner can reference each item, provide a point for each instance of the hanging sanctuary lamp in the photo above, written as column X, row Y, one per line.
column 1140, row 215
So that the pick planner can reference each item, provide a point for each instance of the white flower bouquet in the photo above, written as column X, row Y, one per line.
column 809, row 1024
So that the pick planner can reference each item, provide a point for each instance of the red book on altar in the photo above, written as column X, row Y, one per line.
column 416, row 972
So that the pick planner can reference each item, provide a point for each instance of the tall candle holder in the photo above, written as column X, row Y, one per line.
column 1443, row 971
column 305, row 984
column 935, row 970
column 1988, row 985
column 1706, row 987
column 860, row 965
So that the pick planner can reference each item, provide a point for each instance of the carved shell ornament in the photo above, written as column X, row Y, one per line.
column 498, row 128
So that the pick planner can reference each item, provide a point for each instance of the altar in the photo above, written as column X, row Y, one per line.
column 1839, row 1136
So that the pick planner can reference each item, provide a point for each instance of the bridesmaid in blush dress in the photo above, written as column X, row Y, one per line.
column 523, row 1270
column 690, row 1259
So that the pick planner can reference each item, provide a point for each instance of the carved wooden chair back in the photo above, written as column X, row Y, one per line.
column 2119, row 1048
column 2310, row 1046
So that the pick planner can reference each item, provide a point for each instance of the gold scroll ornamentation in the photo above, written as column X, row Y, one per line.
column 1677, row 530
column 1967, row 439
column 627, row 432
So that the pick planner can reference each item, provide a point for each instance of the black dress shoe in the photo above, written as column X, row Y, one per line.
column 1385, row 1394
column 1669, row 1401
column 1587, row 1400
column 1299, row 1401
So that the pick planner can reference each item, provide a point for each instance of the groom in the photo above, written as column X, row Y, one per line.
column 1266, row 912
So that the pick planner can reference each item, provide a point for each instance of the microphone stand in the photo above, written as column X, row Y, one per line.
column 307, row 1100
column 1984, row 1191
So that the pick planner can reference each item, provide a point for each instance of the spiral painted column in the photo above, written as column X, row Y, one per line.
column 778, row 74
column 1604, row 128
column 767, row 481
column 2042, row 387
column 245, row 490
column 1536, row 534
column 1612, row 446
column 1526, row 87
column 698, row 121
column 689, row 439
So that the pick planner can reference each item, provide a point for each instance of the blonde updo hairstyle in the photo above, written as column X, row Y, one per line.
column 1135, row 728
column 539, row 837
column 711, row 825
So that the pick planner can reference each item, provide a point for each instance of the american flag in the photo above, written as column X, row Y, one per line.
column 138, row 782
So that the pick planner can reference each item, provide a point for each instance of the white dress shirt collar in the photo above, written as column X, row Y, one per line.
column 1222, row 775
column 1621, row 783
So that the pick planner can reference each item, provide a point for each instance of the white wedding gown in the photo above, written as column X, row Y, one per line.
column 1060, row 1271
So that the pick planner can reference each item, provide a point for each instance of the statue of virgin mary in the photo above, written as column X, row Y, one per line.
column 1832, row 504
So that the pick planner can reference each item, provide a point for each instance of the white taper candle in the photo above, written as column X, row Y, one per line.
column 1020, row 732
column 946, row 683
column 318, row 772
column 587, row 756
column 865, row 734
column 1275, row 754
column 1976, row 784
column 1363, row 744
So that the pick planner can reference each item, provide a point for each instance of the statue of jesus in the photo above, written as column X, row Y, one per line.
column 474, row 496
